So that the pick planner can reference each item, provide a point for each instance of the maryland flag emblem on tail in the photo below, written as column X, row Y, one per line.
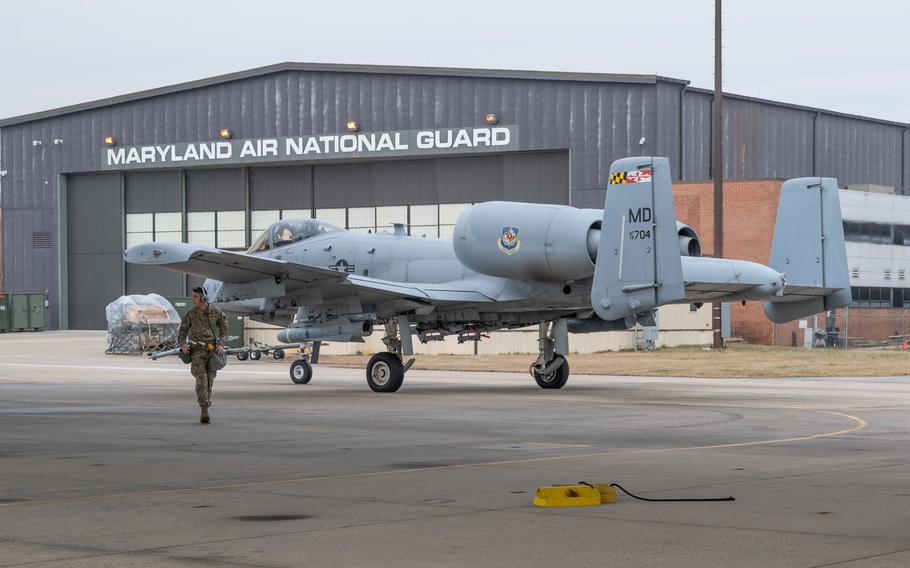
column 635, row 176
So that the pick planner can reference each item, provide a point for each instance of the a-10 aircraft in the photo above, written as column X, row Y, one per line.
column 512, row 265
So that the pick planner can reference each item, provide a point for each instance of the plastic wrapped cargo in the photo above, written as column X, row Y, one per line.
column 139, row 324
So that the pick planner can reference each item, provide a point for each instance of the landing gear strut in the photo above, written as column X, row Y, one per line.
column 385, row 371
column 551, row 370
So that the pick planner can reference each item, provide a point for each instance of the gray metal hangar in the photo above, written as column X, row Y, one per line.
column 216, row 160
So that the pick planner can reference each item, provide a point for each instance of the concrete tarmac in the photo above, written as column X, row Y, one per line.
column 103, row 463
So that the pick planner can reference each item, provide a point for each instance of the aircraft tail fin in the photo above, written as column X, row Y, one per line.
column 638, row 264
column 808, row 247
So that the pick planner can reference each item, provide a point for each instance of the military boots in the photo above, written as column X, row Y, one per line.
column 204, row 416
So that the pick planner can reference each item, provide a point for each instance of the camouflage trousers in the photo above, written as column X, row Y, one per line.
column 204, row 377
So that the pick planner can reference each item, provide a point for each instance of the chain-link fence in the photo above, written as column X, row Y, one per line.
column 847, row 328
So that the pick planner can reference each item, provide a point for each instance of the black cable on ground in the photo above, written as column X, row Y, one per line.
column 621, row 488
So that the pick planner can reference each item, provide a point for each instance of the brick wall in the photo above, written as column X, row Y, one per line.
column 750, row 210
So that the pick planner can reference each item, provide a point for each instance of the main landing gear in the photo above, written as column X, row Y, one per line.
column 385, row 370
column 551, row 370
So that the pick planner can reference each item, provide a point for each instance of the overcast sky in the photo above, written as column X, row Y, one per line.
column 851, row 56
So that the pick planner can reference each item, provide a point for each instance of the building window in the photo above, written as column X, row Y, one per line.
column 878, row 233
column 139, row 228
column 448, row 215
column 424, row 220
column 159, row 227
column 421, row 220
column 874, row 297
column 200, row 228
column 296, row 214
column 336, row 216
column 262, row 220
column 221, row 229
column 390, row 215
column 231, row 229
column 362, row 219
column 169, row 227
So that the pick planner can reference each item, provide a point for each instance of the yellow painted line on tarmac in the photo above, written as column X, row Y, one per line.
column 555, row 445
column 860, row 424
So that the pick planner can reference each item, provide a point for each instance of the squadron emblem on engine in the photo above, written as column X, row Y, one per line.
column 508, row 242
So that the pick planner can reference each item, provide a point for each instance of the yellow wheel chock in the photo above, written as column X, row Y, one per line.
column 581, row 495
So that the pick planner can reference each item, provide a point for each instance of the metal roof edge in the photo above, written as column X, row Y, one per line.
column 339, row 68
column 747, row 98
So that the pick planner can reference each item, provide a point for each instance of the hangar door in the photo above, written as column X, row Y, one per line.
column 94, row 247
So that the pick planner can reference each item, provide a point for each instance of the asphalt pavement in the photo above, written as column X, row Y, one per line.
column 103, row 463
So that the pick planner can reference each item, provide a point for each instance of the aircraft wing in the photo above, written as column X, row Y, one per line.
column 226, row 266
column 250, row 276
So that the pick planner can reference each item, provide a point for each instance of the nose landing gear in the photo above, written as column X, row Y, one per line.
column 385, row 371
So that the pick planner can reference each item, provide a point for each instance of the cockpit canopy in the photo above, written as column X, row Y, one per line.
column 288, row 231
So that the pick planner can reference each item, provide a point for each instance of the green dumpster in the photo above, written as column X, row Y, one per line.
column 27, row 312
column 4, row 313
column 235, row 328
column 18, row 304
column 37, row 312
column 182, row 304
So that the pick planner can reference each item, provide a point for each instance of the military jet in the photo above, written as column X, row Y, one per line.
column 511, row 265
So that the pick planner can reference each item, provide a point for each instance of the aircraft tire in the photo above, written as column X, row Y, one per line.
column 557, row 379
column 385, row 373
column 278, row 354
column 301, row 372
column 243, row 356
column 255, row 355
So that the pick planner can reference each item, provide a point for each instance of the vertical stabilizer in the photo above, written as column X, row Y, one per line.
column 808, row 247
column 638, row 263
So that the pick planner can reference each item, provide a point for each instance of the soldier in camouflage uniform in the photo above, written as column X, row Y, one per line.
column 207, row 329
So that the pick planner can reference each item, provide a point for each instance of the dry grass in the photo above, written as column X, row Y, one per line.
column 738, row 361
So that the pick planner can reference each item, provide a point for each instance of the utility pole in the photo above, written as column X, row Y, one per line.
column 717, row 161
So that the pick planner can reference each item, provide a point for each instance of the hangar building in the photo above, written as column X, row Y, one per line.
column 216, row 160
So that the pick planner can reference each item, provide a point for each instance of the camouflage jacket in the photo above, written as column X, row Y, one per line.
column 203, row 325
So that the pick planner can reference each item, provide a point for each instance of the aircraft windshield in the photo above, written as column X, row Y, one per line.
column 289, row 231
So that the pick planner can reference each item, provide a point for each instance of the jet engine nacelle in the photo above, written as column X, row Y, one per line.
column 528, row 241
column 531, row 241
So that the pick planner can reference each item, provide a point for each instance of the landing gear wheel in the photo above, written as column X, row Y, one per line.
column 255, row 355
column 243, row 356
column 301, row 371
column 385, row 373
column 555, row 380
column 278, row 354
